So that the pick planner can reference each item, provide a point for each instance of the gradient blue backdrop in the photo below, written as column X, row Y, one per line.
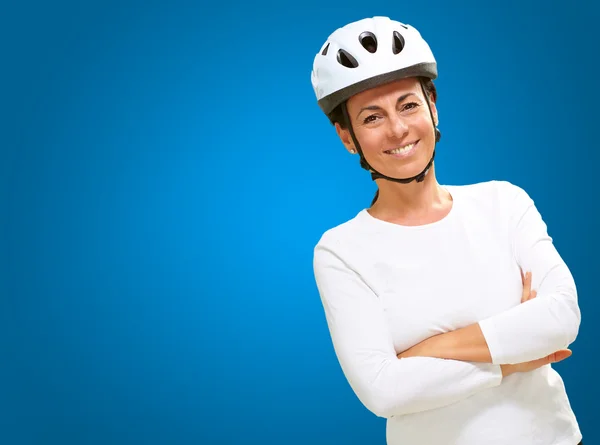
column 167, row 172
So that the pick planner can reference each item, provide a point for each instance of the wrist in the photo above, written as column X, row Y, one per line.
column 467, row 344
column 443, row 346
column 507, row 370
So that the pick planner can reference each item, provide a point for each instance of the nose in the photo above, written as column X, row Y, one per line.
column 397, row 127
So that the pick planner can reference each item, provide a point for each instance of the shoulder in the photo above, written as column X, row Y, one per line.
column 488, row 189
column 497, row 200
column 347, row 241
column 342, row 233
column 503, row 202
column 496, row 193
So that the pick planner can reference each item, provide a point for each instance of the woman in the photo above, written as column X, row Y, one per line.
column 428, row 293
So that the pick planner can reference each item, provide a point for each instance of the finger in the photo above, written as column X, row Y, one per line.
column 525, row 292
column 529, row 280
column 531, row 296
column 551, row 358
column 526, row 287
column 559, row 355
column 522, row 276
column 526, row 281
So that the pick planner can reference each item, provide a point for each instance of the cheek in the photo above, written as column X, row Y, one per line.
column 425, row 125
column 370, row 140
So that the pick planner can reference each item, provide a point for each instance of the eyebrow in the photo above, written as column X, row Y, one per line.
column 375, row 107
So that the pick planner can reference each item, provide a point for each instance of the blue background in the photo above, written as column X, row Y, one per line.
column 167, row 172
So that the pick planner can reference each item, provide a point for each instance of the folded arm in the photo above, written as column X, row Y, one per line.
column 386, row 385
column 549, row 322
column 529, row 331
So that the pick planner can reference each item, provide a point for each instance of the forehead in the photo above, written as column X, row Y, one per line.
column 390, row 90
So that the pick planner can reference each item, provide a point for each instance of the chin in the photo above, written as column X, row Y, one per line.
column 407, row 171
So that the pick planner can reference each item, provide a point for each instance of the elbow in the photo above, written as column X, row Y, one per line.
column 378, row 390
column 572, row 324
column 568, row 314
column 387, row 404
column 572, row 315
column 380, row 405
column 388, row 407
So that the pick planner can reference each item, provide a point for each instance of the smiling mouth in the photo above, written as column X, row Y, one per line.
column 402, row 150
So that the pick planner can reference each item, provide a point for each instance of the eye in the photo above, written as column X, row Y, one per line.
column 410, row 106
column 369, row 119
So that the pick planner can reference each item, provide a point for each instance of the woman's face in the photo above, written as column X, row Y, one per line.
column 393, row 127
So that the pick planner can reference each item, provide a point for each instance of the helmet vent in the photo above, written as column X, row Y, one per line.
column 346, row 59
column 324, row 52
column 398, row 44
column 368, row 41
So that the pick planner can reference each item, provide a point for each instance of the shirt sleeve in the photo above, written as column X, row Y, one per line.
column 386, row 385
column 550, row 321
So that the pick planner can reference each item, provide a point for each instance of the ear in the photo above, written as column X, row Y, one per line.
column 345, row 137
column 436, row 120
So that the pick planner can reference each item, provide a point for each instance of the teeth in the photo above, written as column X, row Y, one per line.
column 402, row 149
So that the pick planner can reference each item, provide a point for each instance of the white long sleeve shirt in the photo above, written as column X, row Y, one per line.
column 386, row 287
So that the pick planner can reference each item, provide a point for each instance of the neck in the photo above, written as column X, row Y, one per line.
column 414, row 203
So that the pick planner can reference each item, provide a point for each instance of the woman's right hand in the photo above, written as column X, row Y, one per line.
column 535, row 364
column 555, row 357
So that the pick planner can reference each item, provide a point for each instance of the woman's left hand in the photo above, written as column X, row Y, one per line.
column 528, row 294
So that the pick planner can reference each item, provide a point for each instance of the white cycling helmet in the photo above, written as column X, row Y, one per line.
column 367, row 53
